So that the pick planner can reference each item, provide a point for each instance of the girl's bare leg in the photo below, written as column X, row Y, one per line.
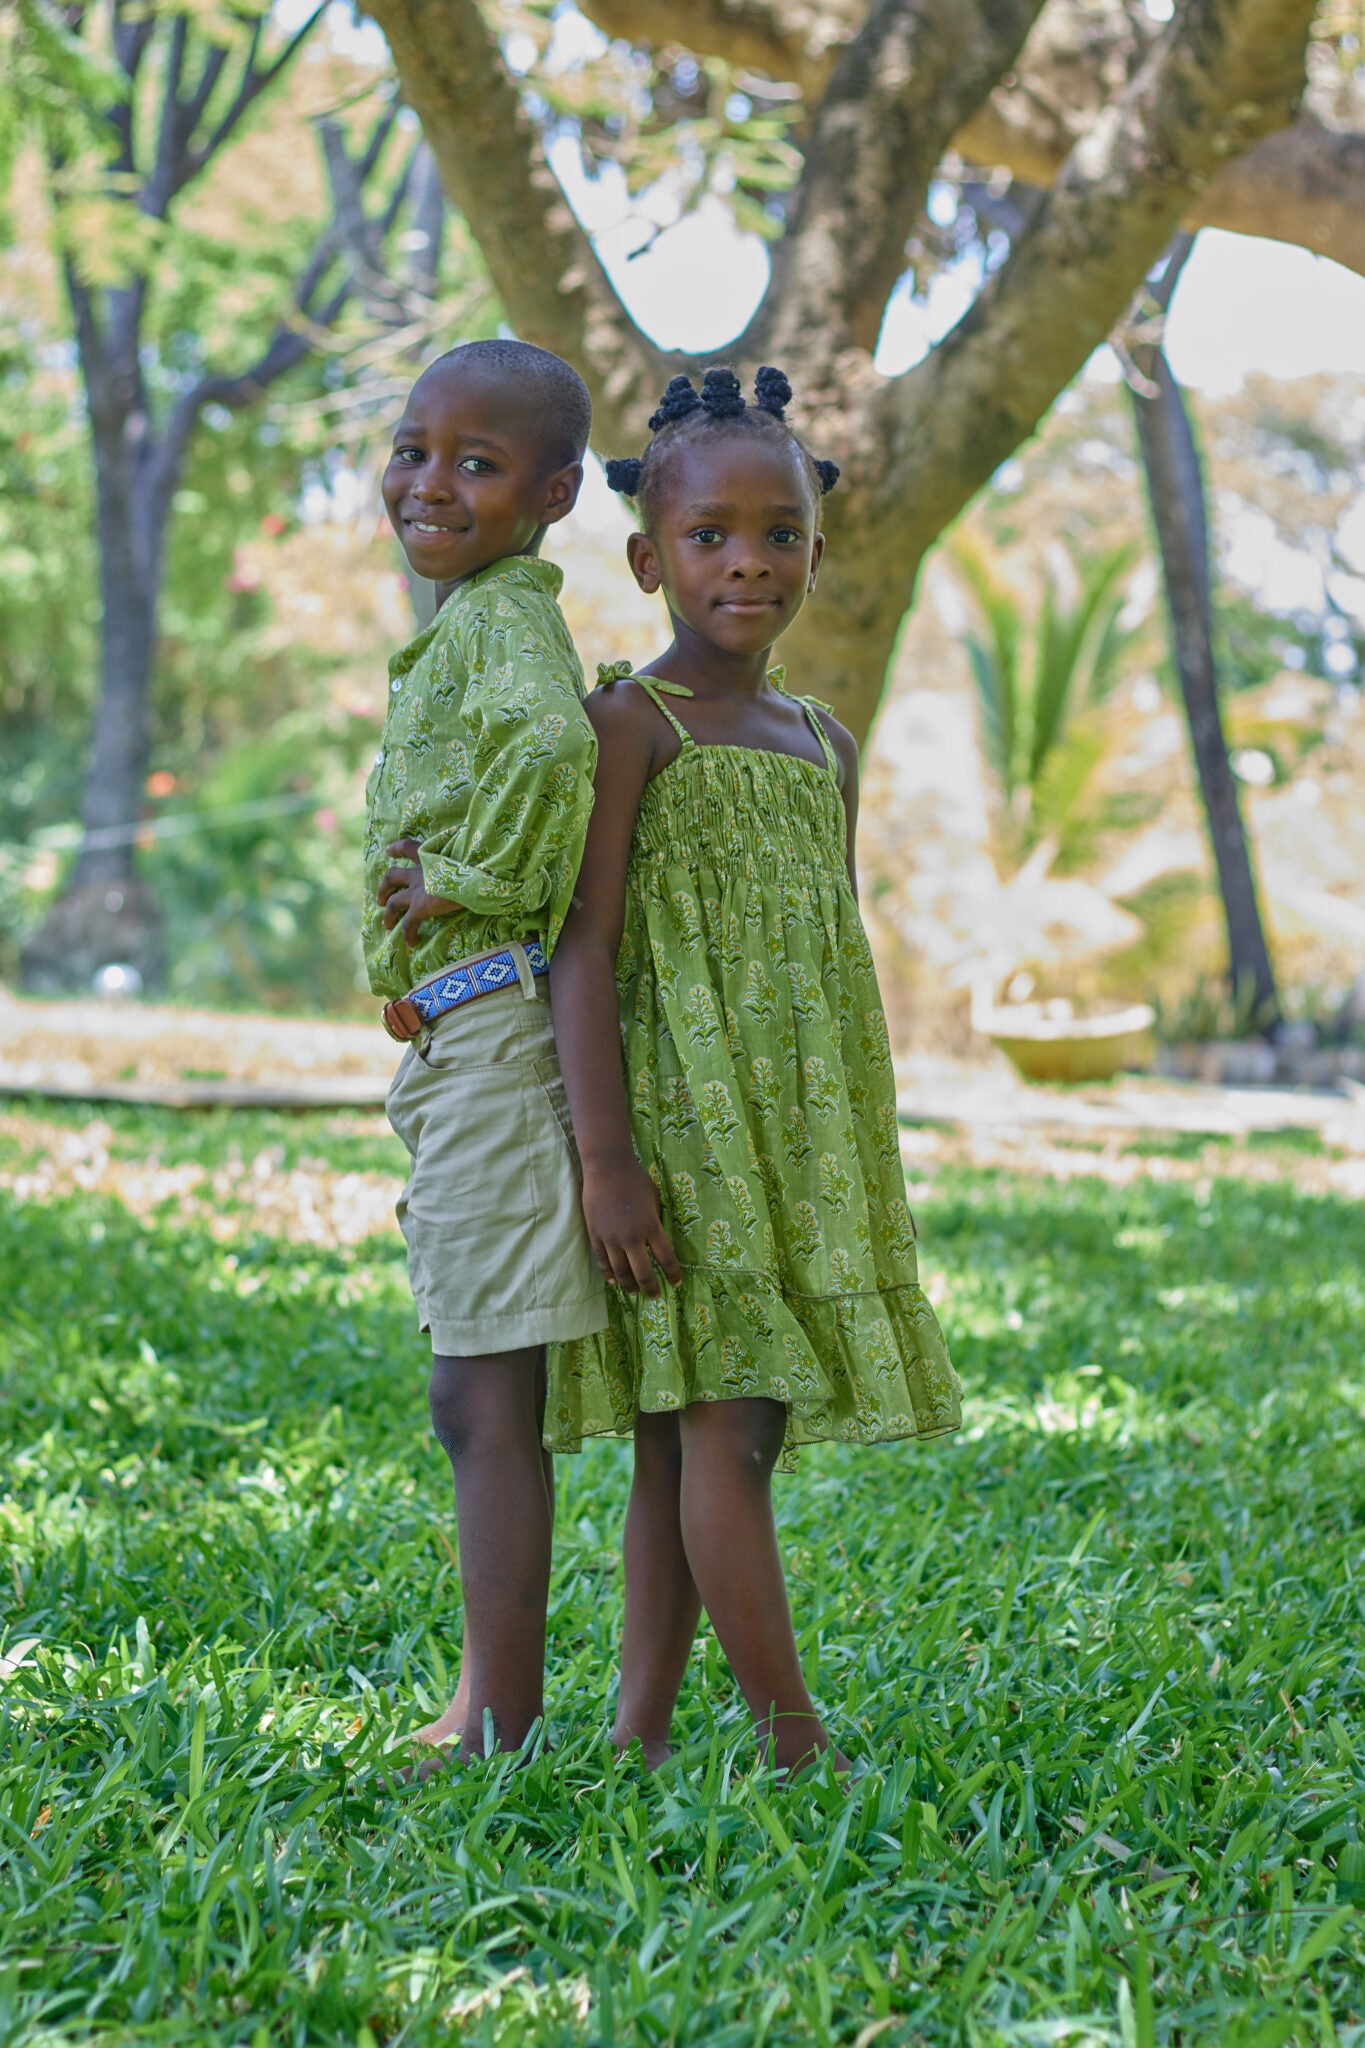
column 729, row 1449
column 487, row 1413
column 662, row 1601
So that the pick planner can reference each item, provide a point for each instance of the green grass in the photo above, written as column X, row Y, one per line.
column 346, row 1141
column 1103, row 1655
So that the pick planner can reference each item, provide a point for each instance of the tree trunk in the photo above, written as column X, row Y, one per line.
column 1175, row 488
column 128, row 527
column 107, row 913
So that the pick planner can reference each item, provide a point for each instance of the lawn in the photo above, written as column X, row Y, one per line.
column 1102, row 1657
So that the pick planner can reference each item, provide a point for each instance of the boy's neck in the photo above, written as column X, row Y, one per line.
column 707, row 670
column 531, row 548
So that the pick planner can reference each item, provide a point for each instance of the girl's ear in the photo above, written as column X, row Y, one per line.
column 816, row 553
column 644, row 562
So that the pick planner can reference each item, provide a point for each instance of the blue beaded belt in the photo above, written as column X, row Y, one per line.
column 485, row 975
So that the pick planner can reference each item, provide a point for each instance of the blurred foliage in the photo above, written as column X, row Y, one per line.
column 666, row 117
column 242, row 711
column 1040, row 683
column 261, row 908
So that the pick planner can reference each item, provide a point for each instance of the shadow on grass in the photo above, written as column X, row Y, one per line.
column 1107, row 1638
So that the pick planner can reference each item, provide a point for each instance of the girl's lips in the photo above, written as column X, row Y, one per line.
column 431, row 529
column 749, row 604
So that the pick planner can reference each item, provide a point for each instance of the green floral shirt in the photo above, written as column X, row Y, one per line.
column 487, row 758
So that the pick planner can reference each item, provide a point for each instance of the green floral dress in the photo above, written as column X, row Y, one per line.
column 763, row 1105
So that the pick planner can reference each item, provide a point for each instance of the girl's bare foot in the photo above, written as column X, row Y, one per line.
column 654, row 1753
column 449, row 1726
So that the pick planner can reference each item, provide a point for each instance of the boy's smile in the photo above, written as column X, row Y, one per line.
column 468, row 481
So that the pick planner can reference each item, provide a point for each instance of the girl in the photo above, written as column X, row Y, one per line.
column 748, row 1155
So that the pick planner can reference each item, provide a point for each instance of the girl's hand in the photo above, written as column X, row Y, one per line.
column 621, row 1210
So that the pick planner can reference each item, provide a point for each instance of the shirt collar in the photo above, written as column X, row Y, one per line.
column 527, row 570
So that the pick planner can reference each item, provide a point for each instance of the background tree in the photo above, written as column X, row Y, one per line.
column 174, row 85
column 889, row 91
column 1175, row 490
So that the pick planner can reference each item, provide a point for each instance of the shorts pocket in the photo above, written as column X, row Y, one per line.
column 547, row 1073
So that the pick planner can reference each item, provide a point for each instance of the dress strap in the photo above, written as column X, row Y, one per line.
column 812, row 706
column 654, row 687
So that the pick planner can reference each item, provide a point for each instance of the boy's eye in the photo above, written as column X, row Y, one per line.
column 707, row 534
column 785, row 535
column 408, row 455
column 476, row 465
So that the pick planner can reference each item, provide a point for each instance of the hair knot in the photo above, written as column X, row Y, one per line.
column 623, row 474
column 721, row 393
column 828, row 473
column 772, row 391
column 679, row 399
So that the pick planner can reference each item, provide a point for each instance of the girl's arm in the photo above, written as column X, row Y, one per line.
column 620, row 1203
column 846, row 754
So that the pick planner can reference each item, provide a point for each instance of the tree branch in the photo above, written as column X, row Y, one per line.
column 493, row 167
column 793, row 40
column 250, row 86
column 1305, row 185
column 1225, row 73
column 898, row 94
column 1302, row 186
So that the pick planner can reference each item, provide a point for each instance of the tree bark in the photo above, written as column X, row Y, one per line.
column 916, row 448
column 105, row 913
column 128, row 527
column 1175, row 490
column 1302, row 186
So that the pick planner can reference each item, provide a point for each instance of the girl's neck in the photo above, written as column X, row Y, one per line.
column 707, row 670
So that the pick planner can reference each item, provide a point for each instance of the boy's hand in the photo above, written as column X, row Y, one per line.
column 621, row 1210
column 402, row 892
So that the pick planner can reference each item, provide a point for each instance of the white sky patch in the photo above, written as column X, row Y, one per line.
column 911, row 326
column 1284, row 578
column 697, row 285
column 1245, row 304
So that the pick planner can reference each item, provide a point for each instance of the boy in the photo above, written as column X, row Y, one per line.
column 480, row 797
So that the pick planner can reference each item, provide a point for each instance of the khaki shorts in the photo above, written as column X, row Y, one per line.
column 497, row 1253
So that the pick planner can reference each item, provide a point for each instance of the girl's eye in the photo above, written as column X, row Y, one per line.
column 476, row 465
column 407, row 455
column 785, row 535
column 706, row 534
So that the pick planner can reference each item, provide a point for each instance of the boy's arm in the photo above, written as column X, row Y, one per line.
column 531, row 757
column 620, row 1202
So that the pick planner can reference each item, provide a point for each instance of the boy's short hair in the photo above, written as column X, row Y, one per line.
column 557, row 399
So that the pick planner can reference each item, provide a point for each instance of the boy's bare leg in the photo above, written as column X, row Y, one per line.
column 450, row 1723
column 662, row 1601
column 729, row 1449
column 487, row 1413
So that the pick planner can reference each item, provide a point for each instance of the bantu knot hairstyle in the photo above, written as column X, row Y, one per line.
column 623, row 474
column 772, row 392
column 719, row 405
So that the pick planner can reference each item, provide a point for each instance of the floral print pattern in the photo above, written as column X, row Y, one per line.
column 763, row 1105
column 487, row 758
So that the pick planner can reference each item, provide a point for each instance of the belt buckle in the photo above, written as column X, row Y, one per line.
column 401, row 1019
